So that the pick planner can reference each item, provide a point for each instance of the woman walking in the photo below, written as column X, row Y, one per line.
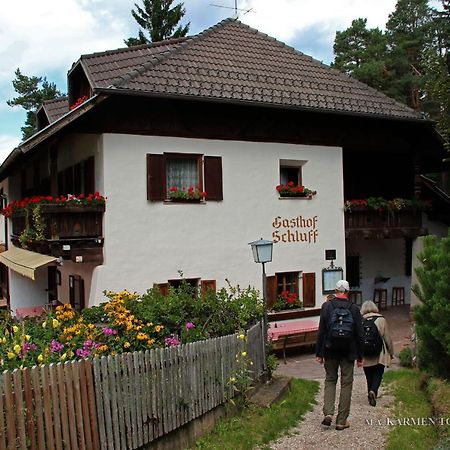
column 378, row 348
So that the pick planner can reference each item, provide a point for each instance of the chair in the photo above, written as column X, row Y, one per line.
column 380, row 298
column 398, row 295
column 355, row 297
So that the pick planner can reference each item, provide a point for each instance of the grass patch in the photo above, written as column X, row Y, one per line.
column 410, row 402
column 258, row 426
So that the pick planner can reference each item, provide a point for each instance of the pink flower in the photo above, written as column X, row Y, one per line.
column 189, row 326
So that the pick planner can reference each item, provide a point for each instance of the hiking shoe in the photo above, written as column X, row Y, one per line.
column 327, row 421
column 341, row 427
column 372, row 398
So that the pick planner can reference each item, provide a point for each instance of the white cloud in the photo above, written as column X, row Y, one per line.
column 7, row 144
column 284, row 18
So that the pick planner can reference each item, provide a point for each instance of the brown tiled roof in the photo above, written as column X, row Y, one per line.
column 232, row 61
column 103, row 68
column 56, row 108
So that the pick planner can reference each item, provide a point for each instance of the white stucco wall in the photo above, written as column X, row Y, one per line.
column 148, row 242
column 381, row 257
column 25, row 292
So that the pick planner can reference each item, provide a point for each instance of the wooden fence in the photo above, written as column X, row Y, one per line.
column 123, row 401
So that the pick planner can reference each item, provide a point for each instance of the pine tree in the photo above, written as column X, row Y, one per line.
column 361, row 53
column 433, row 315
column 32, row 93
column 159, row 20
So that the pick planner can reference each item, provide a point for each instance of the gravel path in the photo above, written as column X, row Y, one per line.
column 311, row 435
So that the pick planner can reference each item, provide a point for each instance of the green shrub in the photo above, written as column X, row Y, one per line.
column 406, row 357
column 433, row 315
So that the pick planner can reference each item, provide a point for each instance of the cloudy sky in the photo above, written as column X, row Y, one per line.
column 43, row 38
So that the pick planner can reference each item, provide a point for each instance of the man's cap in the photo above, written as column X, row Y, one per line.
column 342, row 286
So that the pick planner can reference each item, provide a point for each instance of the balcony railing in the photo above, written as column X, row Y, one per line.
column 69, row 231
column 372, row 224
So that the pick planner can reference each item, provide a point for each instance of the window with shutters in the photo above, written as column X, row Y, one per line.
column 287, row 282
column 180, row 176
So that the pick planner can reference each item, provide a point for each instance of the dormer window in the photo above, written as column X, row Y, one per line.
column 79, row 86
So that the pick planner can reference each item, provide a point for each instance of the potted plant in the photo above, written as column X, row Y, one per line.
column 287, row 300
column 190, row 194
column 295, row 190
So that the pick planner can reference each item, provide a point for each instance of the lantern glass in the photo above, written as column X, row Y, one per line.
column 262, row 251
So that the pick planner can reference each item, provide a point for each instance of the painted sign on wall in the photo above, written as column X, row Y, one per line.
column 297, row 229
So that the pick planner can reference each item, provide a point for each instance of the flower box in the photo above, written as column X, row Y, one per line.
column 292, row 190
column 189, row 195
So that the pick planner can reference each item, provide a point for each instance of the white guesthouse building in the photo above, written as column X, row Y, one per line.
column 233, row 113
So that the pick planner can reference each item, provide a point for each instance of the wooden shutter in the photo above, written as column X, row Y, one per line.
column 163, row 288
column 156, row 177
column 309, row 289
column 271, row 290
column 207, row 285
column 213, row 178
column 89, row 176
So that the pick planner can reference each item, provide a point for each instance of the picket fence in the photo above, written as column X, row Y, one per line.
column 123, row 401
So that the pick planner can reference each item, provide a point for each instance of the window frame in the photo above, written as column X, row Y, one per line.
column 283, row 284
column 193, row 156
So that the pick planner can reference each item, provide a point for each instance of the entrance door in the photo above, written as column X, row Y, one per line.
column 52, row 289
column 76, row 292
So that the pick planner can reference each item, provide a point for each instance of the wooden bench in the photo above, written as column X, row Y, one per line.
column 295, row 340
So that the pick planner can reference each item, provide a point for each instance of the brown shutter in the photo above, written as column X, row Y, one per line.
column 309, row 289
column 213, row 178
column 207, row 285
column 89, row 176
column 271, row 290
column 163, row 288
column 156, row 177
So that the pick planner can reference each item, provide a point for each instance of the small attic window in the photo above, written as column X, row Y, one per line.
column 79, row 87
column 41, row 119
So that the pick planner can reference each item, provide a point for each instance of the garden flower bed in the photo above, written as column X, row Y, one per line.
column 127, row 322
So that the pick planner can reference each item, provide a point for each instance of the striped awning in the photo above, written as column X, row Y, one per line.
column 23, row 261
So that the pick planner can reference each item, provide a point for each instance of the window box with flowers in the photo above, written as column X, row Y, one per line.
column 292, row 190
column 286, row 301
column 189, row 195
column 381, row 204
column 42, row 218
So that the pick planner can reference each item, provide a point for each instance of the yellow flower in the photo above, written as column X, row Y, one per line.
column 126, row 345
column 241, row 336
column 91, row 326
column 27, row 337
column 17, row 348
column 142, row 336
column 44, row 324
column 158, row 328
column 15, row 328
column 11, row 355
column 150, row 342
column 63, row 356
column 55, row 323
column 232, row 380
column 40, row 358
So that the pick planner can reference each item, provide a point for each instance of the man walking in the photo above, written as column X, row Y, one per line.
column 339, row 343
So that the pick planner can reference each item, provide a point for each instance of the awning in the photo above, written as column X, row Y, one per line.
column 23, row 261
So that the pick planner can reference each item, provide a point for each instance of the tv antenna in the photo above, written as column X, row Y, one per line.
column 235, row 8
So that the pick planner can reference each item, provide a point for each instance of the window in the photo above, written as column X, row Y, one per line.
column 76, row 292
column 183, row 171
column 287, row 281
column 77, row 179
column 291, row 171
column 290, row 281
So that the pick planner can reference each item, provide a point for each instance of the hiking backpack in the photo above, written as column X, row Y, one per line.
column 373, row 342
column 340, row 329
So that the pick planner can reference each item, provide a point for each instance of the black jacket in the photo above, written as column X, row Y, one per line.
column 356, row 346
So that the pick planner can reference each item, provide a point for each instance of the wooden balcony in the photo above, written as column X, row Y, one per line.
column 72, row 232
column 370, row 224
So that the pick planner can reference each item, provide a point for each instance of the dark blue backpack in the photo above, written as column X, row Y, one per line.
column 340, row 328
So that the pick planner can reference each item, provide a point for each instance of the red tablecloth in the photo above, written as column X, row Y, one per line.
column 283, row 328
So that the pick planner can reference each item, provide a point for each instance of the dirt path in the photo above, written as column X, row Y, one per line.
column 368, row 425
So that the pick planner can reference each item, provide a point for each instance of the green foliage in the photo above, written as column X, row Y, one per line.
column 433, row 315
column 256, row 427
column 410, row 62
column 410, row 402
column 438, row 392
column 406, row 357
column 34, row 225
column 32, row 93
column 159, row 20
column 272, row 364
